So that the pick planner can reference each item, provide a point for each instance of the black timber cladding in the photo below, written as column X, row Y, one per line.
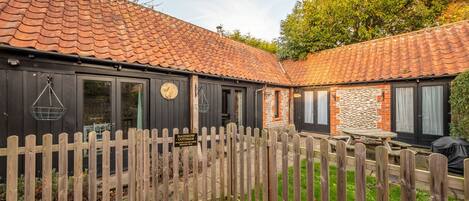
column 20, row 86
column 213, row 93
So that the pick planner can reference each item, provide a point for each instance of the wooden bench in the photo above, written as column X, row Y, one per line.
column 400, row 144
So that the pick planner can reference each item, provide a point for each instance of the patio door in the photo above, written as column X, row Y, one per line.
column 316, row 110
column 233, row 105
column 420, row 111
column 111, row 103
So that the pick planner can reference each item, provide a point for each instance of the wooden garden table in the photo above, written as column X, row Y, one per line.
column 377, row 134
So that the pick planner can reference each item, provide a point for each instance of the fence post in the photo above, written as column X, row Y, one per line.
column 407, row 178
column 273, row 166
column 257, row 163
column 325, row 150
column 241, row 163
column 119, row 165
column 229, row 154
column 92, row 183
column 132, row 163
column 196, row 152
column 310, row 167
column 165, row 165
column 248, row 141
column 221, row 152
column 213, row 165
column 175, row 167
column 30, row 168
column 284, row 138
column 106, row 157
column 185, row 161
column 139, row 165
column 265, row 165
column 146, row 164
column 466, row 179
column 63, row 167
column 47, row 167
column 296, row 167
column 204, row 165
column 341, row 151
column 360, row 174
column 12, row 168
column 382, row 173
column 234, row 145
column 438, row 165
column 154, row 164
column 78, row 167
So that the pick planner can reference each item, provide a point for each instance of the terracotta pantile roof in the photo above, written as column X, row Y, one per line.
column 126, row 32
column 431, row 52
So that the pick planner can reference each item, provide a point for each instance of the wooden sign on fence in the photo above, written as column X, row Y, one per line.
column 185, row 140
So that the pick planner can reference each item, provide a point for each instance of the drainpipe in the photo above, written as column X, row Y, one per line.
column 255, row 104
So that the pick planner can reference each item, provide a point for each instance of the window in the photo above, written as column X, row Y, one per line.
column 432, row 110
column 309, row 107
column 97, row 107
column 322, row 107
column 405, row 109
column 276, row 105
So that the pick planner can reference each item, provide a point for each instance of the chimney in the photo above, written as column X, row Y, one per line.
column 220, row 30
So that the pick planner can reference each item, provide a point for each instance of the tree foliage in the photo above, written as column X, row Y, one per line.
column 252, row 41
column 315, row 25
column 456, row 11
column 459, row 101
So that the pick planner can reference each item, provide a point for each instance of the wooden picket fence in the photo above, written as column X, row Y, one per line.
column 242, row 166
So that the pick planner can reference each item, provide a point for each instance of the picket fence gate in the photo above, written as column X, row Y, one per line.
column 247, row 167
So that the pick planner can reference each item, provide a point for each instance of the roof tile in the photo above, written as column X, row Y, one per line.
column 125, row 31
column 437, row 51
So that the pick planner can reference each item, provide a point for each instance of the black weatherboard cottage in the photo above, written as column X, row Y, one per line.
column 115, row 65
column 114, row 69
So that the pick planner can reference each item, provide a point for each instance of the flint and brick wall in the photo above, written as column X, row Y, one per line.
column 361, row 106
column 269, row 120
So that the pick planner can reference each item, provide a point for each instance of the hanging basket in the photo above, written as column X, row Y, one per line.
column 49, row 112
column 203, row 101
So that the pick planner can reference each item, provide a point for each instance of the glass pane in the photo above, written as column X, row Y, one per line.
column 276, row 104
column 131, row 105
column 405, row 110
column 239, row 107
column 97, row 107
column 432, row 110
column 226, row 103
column 309, row 107
column 322, row 108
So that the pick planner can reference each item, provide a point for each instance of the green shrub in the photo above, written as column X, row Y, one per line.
column 459, row 101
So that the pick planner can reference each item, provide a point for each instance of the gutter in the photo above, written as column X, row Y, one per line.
column 377, row 81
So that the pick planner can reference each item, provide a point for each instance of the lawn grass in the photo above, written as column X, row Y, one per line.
column 394, row 193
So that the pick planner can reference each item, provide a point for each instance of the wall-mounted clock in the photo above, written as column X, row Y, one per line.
column 169, row 91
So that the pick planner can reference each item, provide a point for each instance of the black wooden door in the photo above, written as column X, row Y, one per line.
column 233, row 105
column 108, row 103
column 420, row 111
column 111, row 103
column 316, row 110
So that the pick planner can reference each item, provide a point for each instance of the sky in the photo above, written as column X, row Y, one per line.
column 260, row 18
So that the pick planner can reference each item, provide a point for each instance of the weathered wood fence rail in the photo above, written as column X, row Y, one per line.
column 240, row 163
